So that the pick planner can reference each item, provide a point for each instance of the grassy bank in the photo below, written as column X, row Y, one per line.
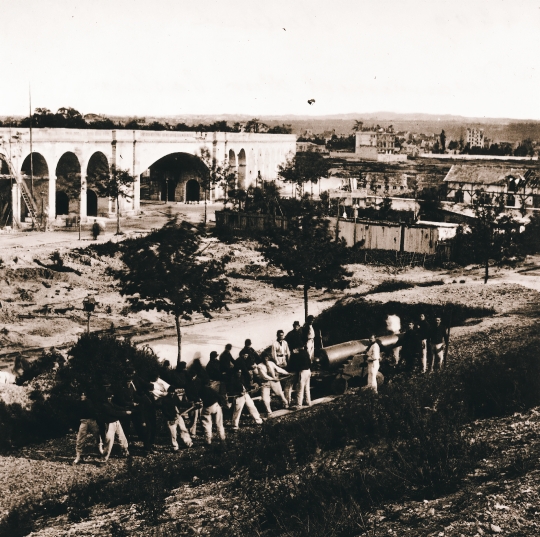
column 323, row 471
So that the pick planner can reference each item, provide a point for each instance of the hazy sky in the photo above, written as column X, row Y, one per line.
column 160, row 57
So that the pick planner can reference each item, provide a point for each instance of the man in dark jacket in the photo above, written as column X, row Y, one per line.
column 173, row 405
column 88, row 426
column 294, row 338
column 239, row 388
column 300, row 367
column 439, row 340
column 253, row 355
column 213, row 371
column 226, row 361
column 109, row 415
column 212, row 403
column 411, row 348
column 178, row 377
column 129, row 398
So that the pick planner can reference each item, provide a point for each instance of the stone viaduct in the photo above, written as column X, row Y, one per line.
column 165, row 165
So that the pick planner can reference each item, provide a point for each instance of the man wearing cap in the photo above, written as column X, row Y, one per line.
column 308, row 333
column 226, row 366
column 213, row 371
column 300, row 367
column 294, row 337
column 254, row 357
column 173, row 406
column 280, row 350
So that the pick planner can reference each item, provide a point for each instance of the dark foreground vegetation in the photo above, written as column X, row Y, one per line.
column 323, row 471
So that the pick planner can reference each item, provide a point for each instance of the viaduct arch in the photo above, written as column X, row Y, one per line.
column 66, row 161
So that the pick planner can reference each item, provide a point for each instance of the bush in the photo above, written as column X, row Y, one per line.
column 45, row 363
column 99, row 360
column 391, row 285
column 96, row 361
column 358, row 318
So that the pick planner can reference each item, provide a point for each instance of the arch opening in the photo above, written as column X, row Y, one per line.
column 91, row 203
column 62, row 203
column 167, row 179
column 98, row 166
column 193, row 191
column 242, row 169
column 68, row 184
column 37, row 169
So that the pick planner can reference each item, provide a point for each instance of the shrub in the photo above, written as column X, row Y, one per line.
column 391, row 285
column 357, row 319
column 45, row 363
column 98, row 360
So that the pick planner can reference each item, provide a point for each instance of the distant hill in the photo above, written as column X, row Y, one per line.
column 497, row 129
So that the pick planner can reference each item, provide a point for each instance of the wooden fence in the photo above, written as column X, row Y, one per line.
column 249, row 222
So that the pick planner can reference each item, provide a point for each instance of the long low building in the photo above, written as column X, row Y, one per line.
column 166, row 165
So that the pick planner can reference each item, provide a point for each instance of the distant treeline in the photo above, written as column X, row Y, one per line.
column 69, row 118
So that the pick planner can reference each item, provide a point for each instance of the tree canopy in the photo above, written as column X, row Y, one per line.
column 304, row 168
column 170, row 270
column 308, row 253
column 115, row 183
column 493, row 234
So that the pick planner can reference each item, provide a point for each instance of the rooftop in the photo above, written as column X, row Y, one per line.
column 483, row 175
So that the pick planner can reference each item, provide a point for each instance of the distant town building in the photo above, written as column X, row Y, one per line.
column 371, row 142
column 475, row 137
column 310, row 147
column 518, row 186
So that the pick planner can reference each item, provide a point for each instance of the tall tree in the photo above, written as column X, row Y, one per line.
column 114, row 184
column 255, row 125
column 442, row 138
column 309, row 255
column 485, row 235
column 280, row 129
column 304, row 168
column 212, row 174
column 170, row 270
column 358, row 125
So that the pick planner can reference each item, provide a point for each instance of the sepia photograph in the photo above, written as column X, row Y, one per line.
column 270, row 269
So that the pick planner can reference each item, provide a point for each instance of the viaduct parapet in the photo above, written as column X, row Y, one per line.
column 164, row 164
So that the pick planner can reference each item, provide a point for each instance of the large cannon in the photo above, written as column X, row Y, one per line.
column 336, row 363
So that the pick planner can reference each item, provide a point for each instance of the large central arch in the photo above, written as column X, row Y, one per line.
column 169, row 177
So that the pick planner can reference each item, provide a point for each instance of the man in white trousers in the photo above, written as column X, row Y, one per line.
column 373, row 360
column 268, row 374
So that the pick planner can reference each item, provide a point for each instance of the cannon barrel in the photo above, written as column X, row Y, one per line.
column 336, row 355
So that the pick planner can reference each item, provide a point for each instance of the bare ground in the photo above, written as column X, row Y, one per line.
column 492, row 499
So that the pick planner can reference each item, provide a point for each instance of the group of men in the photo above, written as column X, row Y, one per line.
column 421, row 348
column 200, row 392
column 423, row 345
